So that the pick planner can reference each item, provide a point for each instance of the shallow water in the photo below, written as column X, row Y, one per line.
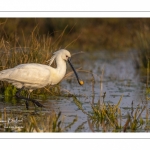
column 120, row 78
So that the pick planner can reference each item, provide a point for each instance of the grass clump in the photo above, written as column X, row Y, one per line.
column 134, row 121
column 143, row 39
column 142, row 58
column 30, row 121
column 10, row 91
column 106, row 117
column 43, row 123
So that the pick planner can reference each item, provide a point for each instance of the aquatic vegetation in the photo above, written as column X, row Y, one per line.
column 43, row 123
column 10, row 91
column 106, row 117
column 106, row 114
column 30, row 121
column 134, row 121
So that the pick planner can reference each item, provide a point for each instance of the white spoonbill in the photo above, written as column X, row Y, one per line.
column 32, row 76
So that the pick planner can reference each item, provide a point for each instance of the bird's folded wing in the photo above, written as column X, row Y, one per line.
column 26, row 74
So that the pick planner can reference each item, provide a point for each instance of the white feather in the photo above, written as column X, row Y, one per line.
column 55, row 54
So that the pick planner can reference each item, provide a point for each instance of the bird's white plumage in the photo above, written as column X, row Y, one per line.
column 33, row 76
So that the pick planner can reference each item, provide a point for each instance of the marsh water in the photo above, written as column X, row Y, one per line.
column 119, row 75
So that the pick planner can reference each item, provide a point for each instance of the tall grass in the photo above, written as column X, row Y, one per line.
column 33, row 49
column 143, row 41
column 143, row 57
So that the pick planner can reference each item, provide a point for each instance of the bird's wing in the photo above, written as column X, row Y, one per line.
column 27, row 73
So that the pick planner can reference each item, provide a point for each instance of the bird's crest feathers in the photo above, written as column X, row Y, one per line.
column 53, row 57
column 55, row 54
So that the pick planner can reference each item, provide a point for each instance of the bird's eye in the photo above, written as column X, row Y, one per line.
column 66, row 56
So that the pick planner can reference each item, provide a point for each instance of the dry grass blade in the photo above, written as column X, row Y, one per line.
column 34, row 123
column 141, row 112
column 72, row 123
column 81, row 52
column 118, row 104
column 72, row 41
column 78, row 104
column 126, row 124
column 91, row 125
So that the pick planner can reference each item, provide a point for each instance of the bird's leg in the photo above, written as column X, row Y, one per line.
column 27, row 104
column 29, row 97
column 35, row 102
column 18, row 92
column 19, row 96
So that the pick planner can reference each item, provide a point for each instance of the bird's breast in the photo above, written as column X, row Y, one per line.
column 56, row 76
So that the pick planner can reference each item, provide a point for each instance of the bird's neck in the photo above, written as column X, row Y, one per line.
column 61, row 66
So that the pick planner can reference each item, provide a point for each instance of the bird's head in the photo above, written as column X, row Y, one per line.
column 65, row 55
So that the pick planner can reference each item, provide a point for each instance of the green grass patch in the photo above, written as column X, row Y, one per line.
column 106, row 117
